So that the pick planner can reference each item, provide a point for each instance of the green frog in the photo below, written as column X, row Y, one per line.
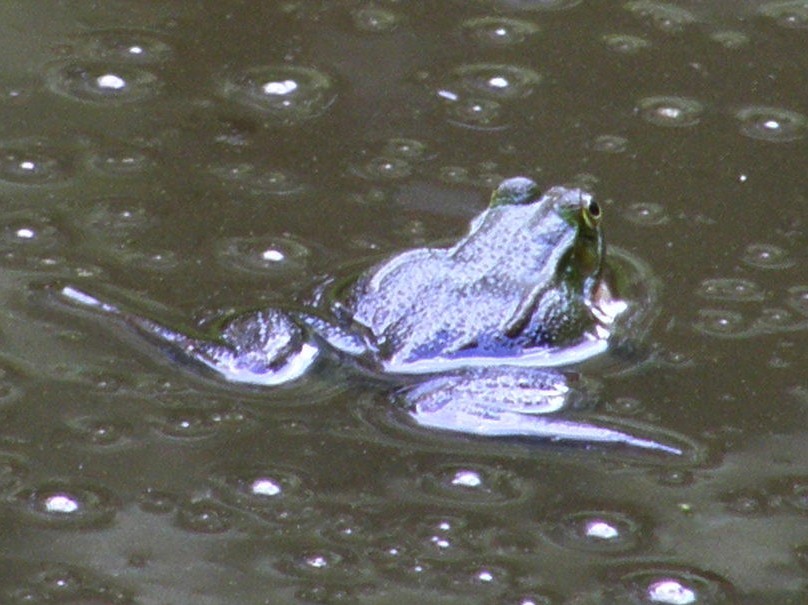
column 483, row 322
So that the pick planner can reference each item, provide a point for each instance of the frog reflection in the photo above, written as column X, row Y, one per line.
column 482, row 322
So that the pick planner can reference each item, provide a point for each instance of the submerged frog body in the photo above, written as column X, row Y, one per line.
column 483, row 319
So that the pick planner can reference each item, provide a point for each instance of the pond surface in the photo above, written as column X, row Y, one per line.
column 199, row 158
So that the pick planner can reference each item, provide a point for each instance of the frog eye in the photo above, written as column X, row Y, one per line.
column 592, row 213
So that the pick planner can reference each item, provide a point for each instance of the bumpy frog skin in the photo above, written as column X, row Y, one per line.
column 482, row 320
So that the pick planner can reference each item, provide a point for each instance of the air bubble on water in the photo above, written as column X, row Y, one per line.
column 284, row 95
column 409, row 149
column 597, row 531
column 265, row 487
column 466, row 478
column 203, row 517
column 625, row 43
column 385, row 169
column 498, row 31
column 720, row 322
column 647, row 213
column 122, row 46
column 732, row 289
column 316, row 561
column 601, row 530
column 610, row 144
column 791, row 14
column 111, row 81
column 773, row 124
column 477, row 114
column 498, row 81
column 485, row 576
column 666, row 17
column 263, row 255
column 64, row 504
column 375, row 20
column 767, row 256
column 32, row 162
column 92, row 83
column 671, row 592
column 730, row 39
column 60, row 503
column 280, row 88
column 670, row 111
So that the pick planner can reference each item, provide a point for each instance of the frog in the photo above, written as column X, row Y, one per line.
column 473, row 334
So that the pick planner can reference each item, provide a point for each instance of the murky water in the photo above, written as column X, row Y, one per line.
column 203, row 157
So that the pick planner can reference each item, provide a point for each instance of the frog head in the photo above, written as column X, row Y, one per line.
column 560, row 246
column 567, row 220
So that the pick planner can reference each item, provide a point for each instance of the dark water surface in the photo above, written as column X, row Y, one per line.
column 207, row 156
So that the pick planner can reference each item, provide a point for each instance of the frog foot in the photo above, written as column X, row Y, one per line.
column 261, row 348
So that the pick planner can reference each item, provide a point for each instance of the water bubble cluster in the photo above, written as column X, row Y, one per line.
column 110, row 67
column 730, row 289
column 397, row 159
column 477, row 94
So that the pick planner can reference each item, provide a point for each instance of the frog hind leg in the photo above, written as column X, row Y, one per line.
column 525, row 403
column 261, row 348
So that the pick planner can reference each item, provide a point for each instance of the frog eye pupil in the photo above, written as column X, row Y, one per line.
column 594, row 209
